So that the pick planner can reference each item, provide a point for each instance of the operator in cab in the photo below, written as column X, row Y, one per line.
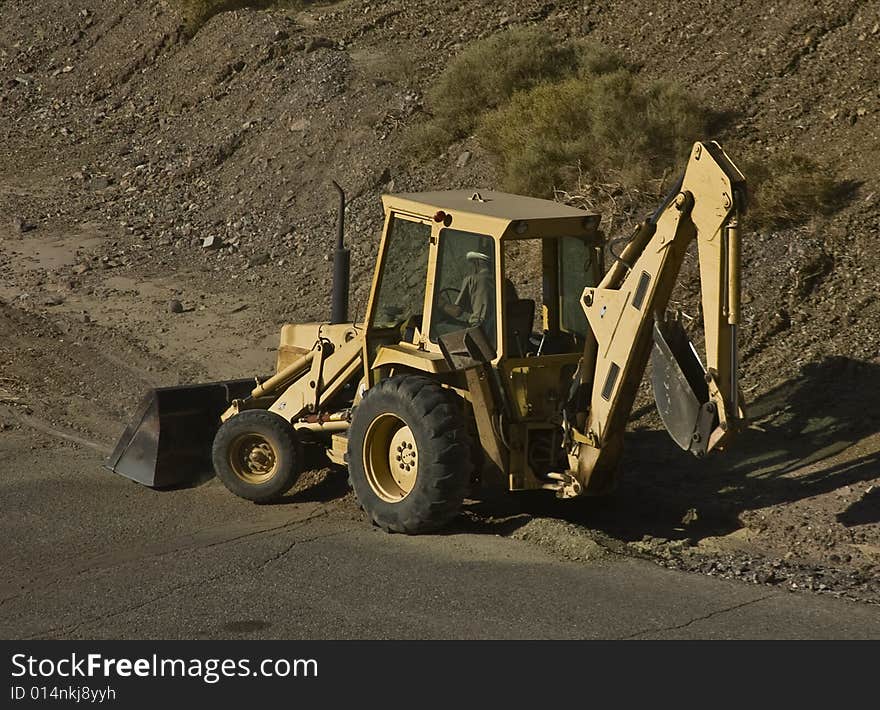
column 476, row 300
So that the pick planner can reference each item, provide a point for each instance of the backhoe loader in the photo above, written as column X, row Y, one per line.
column 496, row 350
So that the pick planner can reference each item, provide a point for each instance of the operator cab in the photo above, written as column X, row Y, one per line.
column 491, row 283
column 511, row 267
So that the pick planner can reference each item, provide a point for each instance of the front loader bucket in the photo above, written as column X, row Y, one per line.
column 679, row 382
column 168, row 442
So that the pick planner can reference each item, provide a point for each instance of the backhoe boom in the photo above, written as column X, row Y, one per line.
column 632, row 297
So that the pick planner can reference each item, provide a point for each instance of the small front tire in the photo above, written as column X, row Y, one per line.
column 257, row 455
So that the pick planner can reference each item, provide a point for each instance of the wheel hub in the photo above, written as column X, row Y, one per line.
column 252, row 458
column 260, row 458
column 403, row 459
column 391, row 458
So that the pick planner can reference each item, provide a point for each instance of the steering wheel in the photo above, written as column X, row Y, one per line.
column 447, row 296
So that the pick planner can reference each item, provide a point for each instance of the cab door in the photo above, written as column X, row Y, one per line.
column 464, row 286
column 396, row 311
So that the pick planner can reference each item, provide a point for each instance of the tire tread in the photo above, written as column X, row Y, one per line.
column 445, row 445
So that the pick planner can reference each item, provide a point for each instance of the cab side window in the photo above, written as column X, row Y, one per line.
column 577, row 270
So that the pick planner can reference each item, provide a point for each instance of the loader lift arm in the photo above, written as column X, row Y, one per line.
column 626, row 312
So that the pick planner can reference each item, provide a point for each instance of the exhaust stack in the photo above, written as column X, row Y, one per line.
column 341, row 267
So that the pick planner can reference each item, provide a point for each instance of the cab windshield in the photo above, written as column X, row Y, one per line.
column 400, row 297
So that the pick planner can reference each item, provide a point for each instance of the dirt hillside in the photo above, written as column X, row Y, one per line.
column 165, row 204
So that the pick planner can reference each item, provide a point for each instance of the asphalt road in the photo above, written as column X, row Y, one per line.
column 88, row 555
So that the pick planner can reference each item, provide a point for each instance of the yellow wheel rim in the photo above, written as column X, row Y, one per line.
column 253, row 458
column 391, row 458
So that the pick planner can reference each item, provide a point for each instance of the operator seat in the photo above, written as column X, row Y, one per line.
column 520, row 318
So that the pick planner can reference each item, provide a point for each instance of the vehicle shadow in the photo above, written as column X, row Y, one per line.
column 321, row 480
column 862, row 512
column 790, row 452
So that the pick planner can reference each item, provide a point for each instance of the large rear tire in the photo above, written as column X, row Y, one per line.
column 257, row 455
column 409, row 454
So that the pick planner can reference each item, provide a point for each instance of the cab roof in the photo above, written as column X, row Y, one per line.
column 484, row 203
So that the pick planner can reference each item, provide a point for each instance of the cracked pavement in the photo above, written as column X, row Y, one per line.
column 89, row 555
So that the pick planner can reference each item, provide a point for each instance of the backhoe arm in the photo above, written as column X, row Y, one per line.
column 626, row 312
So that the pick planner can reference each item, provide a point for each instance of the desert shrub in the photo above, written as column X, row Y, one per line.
column 428, row 138
column 552, row 111
column 608, row 127
column 788, row 189
column 594, row 58
column 487, row 73
column 198, row 12
column 396, row 66
column 576, row 121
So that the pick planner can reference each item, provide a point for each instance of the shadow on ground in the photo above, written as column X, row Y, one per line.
column 321, row 481
column 790, row 452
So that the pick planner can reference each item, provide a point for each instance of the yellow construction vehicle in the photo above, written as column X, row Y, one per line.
column 496, row 349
